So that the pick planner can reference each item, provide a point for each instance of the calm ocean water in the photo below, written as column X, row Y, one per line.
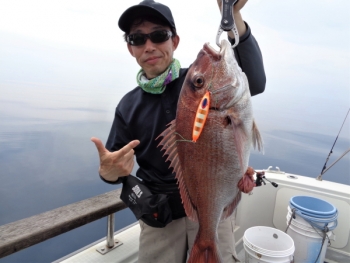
column 45, row 166
column 47, row 159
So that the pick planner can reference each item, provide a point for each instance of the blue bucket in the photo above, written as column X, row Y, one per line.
column 313, row 207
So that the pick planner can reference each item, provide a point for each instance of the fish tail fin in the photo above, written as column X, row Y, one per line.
column 257, row 140
column 204, row 251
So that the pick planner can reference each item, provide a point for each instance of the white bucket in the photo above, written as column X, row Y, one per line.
column 307, row 244
column 267, row 244
column 308, row 239
column 301, row 221
column 307, row 230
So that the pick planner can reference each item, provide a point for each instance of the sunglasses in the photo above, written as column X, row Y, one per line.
column 158, row 36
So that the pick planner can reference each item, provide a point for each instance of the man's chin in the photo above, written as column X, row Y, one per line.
column 154, row 72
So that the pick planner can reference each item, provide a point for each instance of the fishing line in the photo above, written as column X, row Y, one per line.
column 325, row 165
column 183, row 139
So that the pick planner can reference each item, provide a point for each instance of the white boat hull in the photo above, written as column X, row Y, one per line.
column 266, row 206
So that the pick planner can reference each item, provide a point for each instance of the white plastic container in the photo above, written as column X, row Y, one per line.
column 304, row 228
column 312, row 216
column 266, row 244
column 308, row 244
column 320, row 221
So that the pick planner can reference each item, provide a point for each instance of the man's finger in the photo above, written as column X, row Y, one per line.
column 130, row 164
column 99, row 145
column 129, row 155
column 127, row 148
column 239, row 5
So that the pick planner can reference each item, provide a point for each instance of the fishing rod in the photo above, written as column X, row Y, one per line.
column 325, row 169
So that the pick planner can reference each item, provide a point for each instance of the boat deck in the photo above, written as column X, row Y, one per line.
column 128, row 251
column 267, row 206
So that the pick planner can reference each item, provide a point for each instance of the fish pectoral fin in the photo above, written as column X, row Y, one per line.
column 169, row 144
column 231, row 207
column 257, row 139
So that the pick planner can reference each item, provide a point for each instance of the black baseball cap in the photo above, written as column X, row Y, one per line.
column 146, row 7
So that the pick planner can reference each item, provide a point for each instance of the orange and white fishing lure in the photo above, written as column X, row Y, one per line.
column 201, row 116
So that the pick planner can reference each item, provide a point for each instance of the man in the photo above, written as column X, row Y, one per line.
column 143, row 113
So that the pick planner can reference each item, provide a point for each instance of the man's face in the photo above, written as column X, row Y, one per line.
column 153, row 58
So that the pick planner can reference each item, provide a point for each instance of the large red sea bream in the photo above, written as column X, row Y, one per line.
column 209, row 143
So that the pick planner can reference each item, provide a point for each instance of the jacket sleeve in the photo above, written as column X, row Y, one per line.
column 119, row 136
column 250, row 59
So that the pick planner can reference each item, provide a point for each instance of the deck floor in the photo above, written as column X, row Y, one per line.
column 128, row 251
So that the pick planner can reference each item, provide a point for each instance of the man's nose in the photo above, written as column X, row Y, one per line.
column 149, row 45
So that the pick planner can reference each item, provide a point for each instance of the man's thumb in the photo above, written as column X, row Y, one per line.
column 99, row 145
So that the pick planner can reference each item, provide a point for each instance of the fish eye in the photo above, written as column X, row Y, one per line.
column 198, row 81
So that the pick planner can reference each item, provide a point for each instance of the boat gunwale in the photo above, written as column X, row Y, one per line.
column 30, row 231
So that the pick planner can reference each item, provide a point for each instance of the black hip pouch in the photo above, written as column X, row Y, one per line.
column 153, row 209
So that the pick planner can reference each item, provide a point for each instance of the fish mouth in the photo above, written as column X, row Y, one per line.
column 224, row 54
column 210, row 50
column 214, row 53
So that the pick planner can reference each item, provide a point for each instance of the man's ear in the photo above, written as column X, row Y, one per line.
column 176, row 41
column 130, row 50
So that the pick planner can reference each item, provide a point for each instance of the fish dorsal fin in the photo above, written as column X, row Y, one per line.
column 169, row 144
column 257, row 140
column 231, row 207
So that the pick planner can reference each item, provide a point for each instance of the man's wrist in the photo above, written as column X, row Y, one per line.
column 243, row 37
column 116, row 181
column 241, row 27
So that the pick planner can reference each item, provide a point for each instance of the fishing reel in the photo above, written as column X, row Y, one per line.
column 260, row 176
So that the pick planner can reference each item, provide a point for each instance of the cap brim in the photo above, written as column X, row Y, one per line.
column 133, row 12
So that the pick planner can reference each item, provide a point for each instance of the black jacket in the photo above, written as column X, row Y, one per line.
column 144, row 116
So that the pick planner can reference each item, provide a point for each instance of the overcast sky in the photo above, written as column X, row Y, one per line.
column 66, row 60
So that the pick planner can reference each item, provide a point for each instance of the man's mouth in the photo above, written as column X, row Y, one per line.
column 152, row 60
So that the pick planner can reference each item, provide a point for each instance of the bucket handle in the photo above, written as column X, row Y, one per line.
column 314, row 222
